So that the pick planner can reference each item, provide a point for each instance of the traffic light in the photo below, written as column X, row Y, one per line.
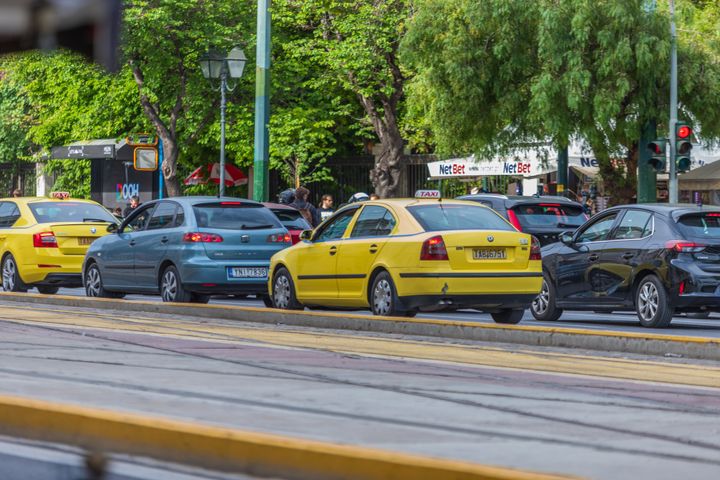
column 683, row 132
column 657, row 150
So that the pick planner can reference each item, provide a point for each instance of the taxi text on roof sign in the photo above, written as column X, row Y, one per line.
column 60, row 195
column 427, row 194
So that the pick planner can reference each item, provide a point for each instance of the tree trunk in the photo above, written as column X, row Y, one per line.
column 385, row 176
column 169, row 166
column 619, row 184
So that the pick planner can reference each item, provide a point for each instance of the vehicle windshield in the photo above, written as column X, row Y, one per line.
column 700, row 224
column 234, row 216
column 291, row 219
column 549, row 215
column 50, row 212
column 439, row 216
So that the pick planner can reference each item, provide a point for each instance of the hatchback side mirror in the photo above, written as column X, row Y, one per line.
column 112, row 228
column 566, row 238
column 306, row 235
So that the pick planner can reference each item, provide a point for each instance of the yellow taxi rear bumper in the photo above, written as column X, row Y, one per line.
column 50, row 266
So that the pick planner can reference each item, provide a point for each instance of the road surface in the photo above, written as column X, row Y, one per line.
column 570, row 412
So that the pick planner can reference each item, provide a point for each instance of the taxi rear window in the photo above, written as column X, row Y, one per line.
column 48, row 212
column 706, row 224
column 439, row 216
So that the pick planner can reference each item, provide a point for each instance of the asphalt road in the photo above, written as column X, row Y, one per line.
column 622, row 321
column 570, row 412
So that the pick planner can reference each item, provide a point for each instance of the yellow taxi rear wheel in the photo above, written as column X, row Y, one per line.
column 47, row 289
column 384, row 299
column 11, row 280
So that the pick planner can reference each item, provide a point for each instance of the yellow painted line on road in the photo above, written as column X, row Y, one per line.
column 177, row 309
column 228, row 449
column 521, row 359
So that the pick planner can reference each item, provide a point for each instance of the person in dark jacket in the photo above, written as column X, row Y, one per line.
column 306, row 209
column 134, row 203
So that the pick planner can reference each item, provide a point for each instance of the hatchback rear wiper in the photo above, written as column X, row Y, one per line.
column 95, row 220
column 255, row 227
column 567, row 225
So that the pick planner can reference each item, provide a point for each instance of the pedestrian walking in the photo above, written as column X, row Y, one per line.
column 374, row 196
column 134, row 203
column 17, row 193
column 306, row 209
column 326, row 207
column 286, row 197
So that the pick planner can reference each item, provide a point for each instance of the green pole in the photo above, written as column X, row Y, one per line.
column 562, row 172
column 262, row 104
column 646, row 176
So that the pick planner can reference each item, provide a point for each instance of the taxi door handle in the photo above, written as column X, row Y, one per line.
column 373, row 248
column 333, row 250
column 593, row 257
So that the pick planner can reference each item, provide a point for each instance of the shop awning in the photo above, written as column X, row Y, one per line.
column 107, row 148
column 703, row 178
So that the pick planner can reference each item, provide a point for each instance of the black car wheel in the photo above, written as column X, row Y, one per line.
column 652, row 303
column 171, row 287
column 94, row 286
column 508, row 316
column 283, row 294
column 47, row 290
column 11, row 280
column 543, row 307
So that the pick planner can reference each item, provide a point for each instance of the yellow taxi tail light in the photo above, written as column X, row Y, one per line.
column 434, row 249
column 45, row 240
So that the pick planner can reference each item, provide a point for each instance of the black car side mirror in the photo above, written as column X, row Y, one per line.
column 566, row 238
column 306, row 235
column 112, row 228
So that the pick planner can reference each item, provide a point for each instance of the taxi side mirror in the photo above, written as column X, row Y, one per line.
column 306, row 235
column 112, row 228
column 566, row 238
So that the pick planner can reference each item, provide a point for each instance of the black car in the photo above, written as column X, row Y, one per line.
column 655, row 259
column 544, row 217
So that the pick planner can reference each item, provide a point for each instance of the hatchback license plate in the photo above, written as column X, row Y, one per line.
column 489, row 254
column 247, row 272
column 85, row 240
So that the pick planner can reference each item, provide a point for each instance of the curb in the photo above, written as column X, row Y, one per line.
column 626, row 342
column 230, row 450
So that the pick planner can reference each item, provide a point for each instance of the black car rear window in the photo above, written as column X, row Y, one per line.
column 705, row 224
column 549, row 215
column 234, row 216
column 48, row 212
column 291, row 219
column 438, row 216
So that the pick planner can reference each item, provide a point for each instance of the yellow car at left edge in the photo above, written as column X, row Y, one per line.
column 43, row 241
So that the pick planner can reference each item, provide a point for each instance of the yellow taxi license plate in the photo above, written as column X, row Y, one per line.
column 85, row 240
column 489, row 254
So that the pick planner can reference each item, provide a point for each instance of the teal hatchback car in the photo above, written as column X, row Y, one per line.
column 187, row 249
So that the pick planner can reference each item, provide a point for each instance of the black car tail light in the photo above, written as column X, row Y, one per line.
column 682, row 246
column 535, row 249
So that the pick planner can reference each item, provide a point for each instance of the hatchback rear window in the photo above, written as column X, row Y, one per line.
column 549, row 215
column 50, row 212
column 234, row 216
column 438, row 216
column 291, row 219
column 705, row 224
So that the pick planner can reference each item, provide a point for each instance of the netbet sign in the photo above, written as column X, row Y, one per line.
column 452, row 169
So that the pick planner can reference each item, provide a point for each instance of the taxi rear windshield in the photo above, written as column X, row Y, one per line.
column 234, row 216
column 438, row 217
column 550, row 215
column 700, row 224
column 51, row 212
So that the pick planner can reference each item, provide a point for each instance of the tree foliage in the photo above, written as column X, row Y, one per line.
column 499, row 72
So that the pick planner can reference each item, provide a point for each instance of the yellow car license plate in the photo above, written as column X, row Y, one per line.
column 489, row 254
column 85, row 240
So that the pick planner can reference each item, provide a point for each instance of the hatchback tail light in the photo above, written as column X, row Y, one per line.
column 683, row 246
column 434, row 249
column 199, row 237
column 45, row 240
column 535, row 249
column 279, row 238
column 514, row 220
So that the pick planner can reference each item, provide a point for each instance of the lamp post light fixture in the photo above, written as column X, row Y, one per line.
column 217, row 65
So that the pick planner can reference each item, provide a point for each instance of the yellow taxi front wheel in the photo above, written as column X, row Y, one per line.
column 11, row 280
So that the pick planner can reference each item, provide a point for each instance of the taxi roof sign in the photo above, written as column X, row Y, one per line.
column 427, row 194
column 60, row 195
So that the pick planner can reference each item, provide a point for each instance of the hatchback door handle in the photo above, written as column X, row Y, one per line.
column 164, row 240
column 373, row 248
column 628, row 256
column 593, row 257
column 132, row 243
column 333, row 250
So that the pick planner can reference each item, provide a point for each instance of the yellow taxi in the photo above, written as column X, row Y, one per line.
column 43, row 240
column 402, row 256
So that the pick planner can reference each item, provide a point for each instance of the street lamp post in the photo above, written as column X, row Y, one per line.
column 216, row 65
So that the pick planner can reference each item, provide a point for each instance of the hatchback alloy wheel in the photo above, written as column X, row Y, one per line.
column 648, row 301
column 93, row 284
column 169, row 288
column 542, row 301
column 652, row 303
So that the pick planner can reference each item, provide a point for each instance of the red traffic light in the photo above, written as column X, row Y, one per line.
column 655, row 148
column 684, row 132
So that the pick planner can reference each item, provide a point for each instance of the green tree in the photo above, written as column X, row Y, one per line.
column 500, row 72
